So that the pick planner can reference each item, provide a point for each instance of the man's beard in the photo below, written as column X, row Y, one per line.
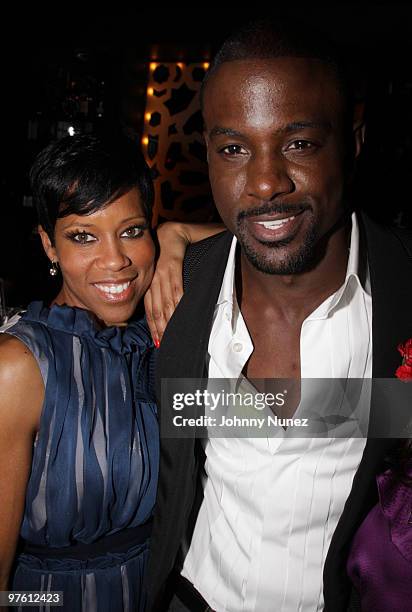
column 295, row 262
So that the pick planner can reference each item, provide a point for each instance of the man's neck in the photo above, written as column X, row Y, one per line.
column 295, row 296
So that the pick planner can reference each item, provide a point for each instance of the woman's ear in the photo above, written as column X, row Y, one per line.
column 49, row 249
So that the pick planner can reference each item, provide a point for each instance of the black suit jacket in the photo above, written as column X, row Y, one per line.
column 182, row 354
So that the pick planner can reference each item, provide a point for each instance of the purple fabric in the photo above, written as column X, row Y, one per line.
column 380, row 560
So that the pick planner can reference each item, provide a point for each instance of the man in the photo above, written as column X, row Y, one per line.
column 291, row 295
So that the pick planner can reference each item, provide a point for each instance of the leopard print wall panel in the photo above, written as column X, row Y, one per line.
column 173, row 142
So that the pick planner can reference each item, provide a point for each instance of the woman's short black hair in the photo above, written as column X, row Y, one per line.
column 84, row 173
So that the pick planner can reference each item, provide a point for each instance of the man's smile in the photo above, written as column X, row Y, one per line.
column 271, row 227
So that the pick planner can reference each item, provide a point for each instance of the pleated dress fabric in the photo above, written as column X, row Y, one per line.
column 95, row 458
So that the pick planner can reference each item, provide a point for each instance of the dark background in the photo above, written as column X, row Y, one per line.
column 106, row 54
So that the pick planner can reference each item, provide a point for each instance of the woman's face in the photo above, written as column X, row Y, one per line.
column 106, row 258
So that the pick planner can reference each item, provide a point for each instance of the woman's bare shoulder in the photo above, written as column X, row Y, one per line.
column 15, row 356
column 21, row 382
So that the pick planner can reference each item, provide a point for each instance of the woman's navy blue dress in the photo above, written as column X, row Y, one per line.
column 95, row 458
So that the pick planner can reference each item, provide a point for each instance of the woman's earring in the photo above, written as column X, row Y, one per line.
column 54, row 270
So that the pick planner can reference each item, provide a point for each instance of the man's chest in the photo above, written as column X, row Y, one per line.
column 276, row 352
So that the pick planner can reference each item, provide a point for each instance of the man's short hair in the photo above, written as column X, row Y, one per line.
column 275, row 38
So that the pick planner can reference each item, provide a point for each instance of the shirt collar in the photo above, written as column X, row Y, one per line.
column 228, row 289
column 356, row 269
column 353, row 271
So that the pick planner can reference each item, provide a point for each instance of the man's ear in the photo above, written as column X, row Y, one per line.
column 359, row 128
column 206, row 139
column 49, row 249
column 359, row 137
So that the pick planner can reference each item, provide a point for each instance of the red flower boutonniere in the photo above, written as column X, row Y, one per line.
column 404, row 372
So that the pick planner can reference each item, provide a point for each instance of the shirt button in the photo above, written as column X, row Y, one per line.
column 237, row 347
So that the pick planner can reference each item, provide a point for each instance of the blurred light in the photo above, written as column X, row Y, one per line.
column 145, row 140
column 148, row 116
column 206, row 65
column 71, row 130
column 150, row 91
column 181, row 65
column 153, row 65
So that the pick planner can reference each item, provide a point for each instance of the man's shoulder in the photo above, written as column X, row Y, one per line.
column 401, row 237
column 197, row 253
column 404, row 236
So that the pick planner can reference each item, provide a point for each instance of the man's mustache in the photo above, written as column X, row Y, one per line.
column 274, row 207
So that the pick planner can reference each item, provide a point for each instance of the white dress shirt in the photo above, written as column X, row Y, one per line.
column 271, row 505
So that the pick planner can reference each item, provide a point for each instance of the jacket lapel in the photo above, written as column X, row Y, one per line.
column 182, row 355
column 184, row 345
column 390, row 273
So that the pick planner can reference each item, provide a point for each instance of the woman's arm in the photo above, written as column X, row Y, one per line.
column 21, row 400
column 167, row 286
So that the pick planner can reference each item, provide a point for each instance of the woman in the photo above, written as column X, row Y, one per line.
column 78, row 429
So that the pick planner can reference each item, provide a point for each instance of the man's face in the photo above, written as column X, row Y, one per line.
column 275, row 139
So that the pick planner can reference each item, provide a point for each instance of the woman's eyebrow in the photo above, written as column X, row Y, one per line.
column 138, row 218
